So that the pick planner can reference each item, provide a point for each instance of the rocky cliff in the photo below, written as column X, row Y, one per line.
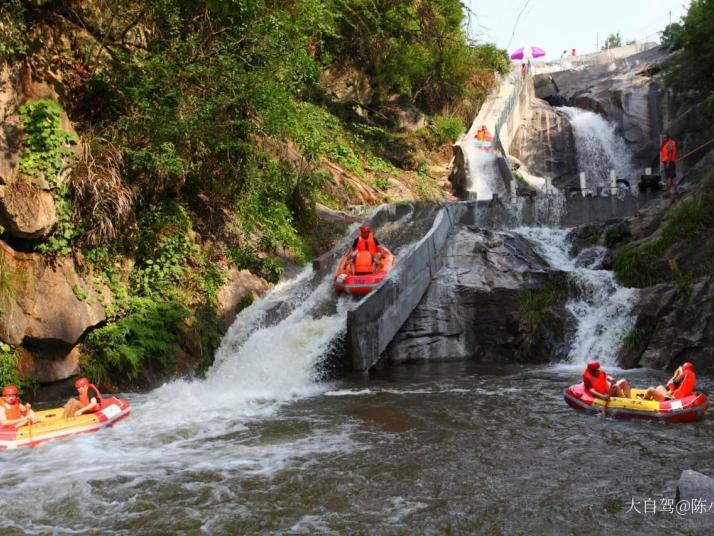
column 494, row 299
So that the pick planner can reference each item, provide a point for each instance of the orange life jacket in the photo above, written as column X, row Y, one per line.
column 85, row 399
column 363, row 263
column 668, row 151
column 367, row 244
column 597, row 383
column 12, row 411
column 684, row 386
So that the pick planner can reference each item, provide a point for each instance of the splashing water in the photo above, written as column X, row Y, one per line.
column 601, row 309
column 599, row 148
column 484, row 176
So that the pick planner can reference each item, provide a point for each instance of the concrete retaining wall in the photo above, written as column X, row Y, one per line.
column 373, row 324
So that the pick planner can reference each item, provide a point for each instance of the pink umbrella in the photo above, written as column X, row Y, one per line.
column 535, row 52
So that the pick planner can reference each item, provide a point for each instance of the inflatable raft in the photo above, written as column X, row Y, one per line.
column 52, row 425
column 359, row 284
column 689, row 408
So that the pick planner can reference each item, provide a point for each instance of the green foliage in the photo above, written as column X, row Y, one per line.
column 15, row 24
column 673, row 36
column 8, row 366
column 633, row 340
column 615, row 235
column 447, row 129
column 246, row 300
column 693, row 64
column 418, row 49
column 247, row 258
column 646, row 264
column 47, row 154
column 141, row 341
column 532, row 308
column 165, row 248
column 613, row 41
column 46, row 143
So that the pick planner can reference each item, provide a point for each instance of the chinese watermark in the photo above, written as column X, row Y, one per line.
column 670, row 506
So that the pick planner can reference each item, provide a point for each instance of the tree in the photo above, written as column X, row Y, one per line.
column 612, row 41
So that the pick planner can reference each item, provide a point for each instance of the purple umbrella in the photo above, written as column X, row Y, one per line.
column 535, row 52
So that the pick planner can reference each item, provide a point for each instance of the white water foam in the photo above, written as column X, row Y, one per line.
column 484, row 176
column 602, row 309
column 599, row 148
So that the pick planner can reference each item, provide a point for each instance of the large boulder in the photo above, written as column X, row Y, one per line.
column 673, row 324
column 27, row 211
column 473, row 307
column 237, row 285
column 545, row 145
column 46, row 304
column 693, row 485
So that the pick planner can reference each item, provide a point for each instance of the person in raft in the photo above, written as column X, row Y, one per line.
column 603, row 386
column 12, row 411
column 365, row 241
column 482, row 133
column 84, row 403
column 681, row 384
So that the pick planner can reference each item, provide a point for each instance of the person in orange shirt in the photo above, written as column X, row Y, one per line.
column 602, row 386
column 668, row 157
column 680, row 385
column 85, row 403
column 12, row 411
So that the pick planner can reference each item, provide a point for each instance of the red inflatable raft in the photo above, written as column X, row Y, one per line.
column 361, row 283
column 52, row 425
column 689, row 408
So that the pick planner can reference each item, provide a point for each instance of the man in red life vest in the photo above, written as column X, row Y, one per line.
column 366, row 250
column 668, row 157
column 600, row 385
column 85, row 403
column 12, row 411
column 680, row 385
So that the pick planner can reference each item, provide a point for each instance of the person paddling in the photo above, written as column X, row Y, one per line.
column 84, row 403
column 602, row 386
column 12, row 411
column 680, row 385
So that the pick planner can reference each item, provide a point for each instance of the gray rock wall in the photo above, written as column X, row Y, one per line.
column 472, row 308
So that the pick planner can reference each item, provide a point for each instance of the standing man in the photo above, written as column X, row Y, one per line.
column 668, row 157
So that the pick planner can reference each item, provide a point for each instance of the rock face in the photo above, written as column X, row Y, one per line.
column 46, row 309
column 545, row 144
column 673, row 325
column 623, row 91
column 26, row 211
column 237, row 285
column 472, row 307
column 695, row 485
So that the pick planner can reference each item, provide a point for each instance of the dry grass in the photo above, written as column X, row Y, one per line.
column 105, row 203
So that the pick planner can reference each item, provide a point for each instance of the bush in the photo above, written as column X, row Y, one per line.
column 447, row 129
column 8, row 367
column 141, row 341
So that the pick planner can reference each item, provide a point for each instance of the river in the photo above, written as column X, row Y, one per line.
column 266, row 445
column 435, row 448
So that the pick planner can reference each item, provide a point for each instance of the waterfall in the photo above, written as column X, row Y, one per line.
column 602, row 308
column 483, row 174
column 599, row 148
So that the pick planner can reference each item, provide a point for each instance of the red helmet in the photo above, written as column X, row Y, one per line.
column 81, row 382
column 593, row 365
column 688, row 366
column 11, row 390
column 365, row 229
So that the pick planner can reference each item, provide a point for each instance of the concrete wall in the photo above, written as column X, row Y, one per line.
column 373, row 324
